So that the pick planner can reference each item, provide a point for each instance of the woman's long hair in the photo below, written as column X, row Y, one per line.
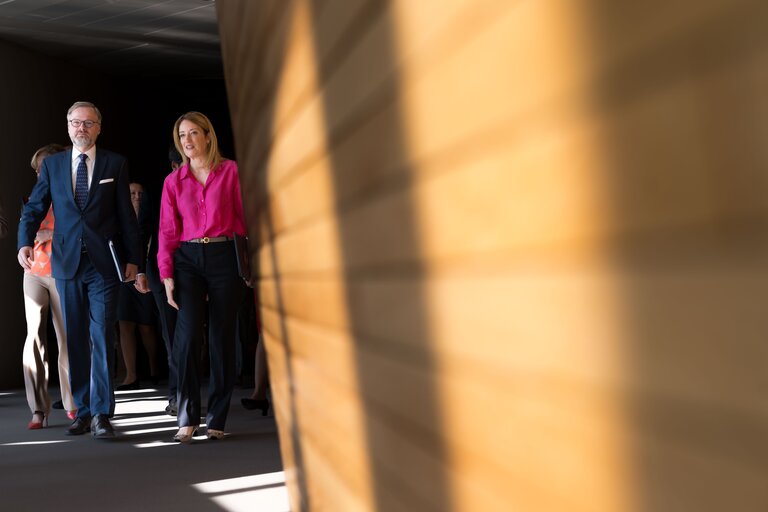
column 213, row 158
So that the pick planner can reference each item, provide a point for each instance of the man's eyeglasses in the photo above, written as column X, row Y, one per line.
column 76, row 123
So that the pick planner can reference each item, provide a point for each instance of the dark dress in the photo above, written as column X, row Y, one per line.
column 134, row 306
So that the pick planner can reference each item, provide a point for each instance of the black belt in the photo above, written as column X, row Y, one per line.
column 207, row 240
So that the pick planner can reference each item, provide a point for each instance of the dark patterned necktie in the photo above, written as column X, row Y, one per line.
column 81, row 182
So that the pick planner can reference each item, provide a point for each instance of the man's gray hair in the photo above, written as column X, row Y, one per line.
column 81, row 104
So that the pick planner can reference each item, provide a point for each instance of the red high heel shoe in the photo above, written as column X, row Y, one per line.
column 36, row 425
column 72, row 415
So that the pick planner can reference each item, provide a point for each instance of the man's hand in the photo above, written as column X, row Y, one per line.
column 141, row 284
column 130, row 272
column 168, row 282
column 26, row 257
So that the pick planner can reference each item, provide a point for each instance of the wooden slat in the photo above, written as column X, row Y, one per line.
column 511, row 254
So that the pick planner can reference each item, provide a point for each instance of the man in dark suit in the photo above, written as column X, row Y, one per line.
column 88, row 188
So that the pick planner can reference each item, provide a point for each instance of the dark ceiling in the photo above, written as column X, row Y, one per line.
column 139, row 38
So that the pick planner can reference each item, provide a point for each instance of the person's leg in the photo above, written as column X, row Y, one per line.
column 225, row 292
column 34, row 355
column 128, row 349
column 102, row 297
column 61, row 340
column 261, row 372
column 243, row 332
column 75, row 306
column 149, row 340
column 258, row 399
column 167, row 316
column 190, row 292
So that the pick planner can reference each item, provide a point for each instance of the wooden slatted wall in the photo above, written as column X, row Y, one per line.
column 511, row 253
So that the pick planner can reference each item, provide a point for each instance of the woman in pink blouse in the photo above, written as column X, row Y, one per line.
column 200, row 211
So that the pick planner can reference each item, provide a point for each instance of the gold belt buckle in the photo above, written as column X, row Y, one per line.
column 206, row 239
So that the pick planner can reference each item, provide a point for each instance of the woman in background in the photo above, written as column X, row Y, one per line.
column 201, row 209
column 258, row 399
column 137, row 310
column 40, row 294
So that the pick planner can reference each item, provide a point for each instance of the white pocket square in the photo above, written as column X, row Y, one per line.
column 108, row 180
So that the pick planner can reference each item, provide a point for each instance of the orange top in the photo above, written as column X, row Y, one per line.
column 42, row 265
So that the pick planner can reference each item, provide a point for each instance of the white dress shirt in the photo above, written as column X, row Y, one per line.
column 89, row 163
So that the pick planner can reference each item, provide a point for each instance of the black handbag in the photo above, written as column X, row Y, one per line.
column 241, row 252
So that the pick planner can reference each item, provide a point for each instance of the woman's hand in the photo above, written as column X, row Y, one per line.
column 168, row 282
column 26, row 257
column 44, row 235
column 142, row 284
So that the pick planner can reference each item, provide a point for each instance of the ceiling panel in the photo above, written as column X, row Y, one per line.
column 171, row 38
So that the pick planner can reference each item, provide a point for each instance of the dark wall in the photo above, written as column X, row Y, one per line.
column 138, row 116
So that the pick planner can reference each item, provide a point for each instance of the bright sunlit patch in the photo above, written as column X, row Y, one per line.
column 143, row 420
column 148, row 406
column 141, row 411
column 149, row 431
column 169, row 442
column 30, row 443
column 243, row 482
column 271, row 499
column 266, row 493
column 155, row 444
column 136, row 391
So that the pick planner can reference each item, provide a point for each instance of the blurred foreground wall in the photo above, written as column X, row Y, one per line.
column 512, row 254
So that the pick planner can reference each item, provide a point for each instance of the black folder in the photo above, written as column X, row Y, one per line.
column 241, row 253
column 116, row 260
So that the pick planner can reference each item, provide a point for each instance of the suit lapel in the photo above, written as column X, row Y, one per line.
column 67, row 174
column 98, row 174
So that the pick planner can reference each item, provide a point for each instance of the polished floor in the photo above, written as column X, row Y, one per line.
column 141, row 469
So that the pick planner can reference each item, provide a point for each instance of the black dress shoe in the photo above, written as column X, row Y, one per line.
column 58, row 404
column 79, row 427
column 129, row 386
column 101, row 427
column 171, row 409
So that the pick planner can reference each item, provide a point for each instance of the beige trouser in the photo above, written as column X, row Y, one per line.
column 39, row 293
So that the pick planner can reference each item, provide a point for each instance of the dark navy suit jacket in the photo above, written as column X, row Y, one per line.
column 108, row 215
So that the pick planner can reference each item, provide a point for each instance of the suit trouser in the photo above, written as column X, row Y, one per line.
column 89, row 302
column 206, row 270
column 40, row 294
column 167, row 315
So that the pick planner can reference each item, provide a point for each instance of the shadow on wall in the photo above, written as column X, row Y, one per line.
column 381, row 258
column 684, row 125
column 263, row 231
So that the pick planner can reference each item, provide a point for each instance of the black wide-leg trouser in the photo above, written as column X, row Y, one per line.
column 206, row 270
